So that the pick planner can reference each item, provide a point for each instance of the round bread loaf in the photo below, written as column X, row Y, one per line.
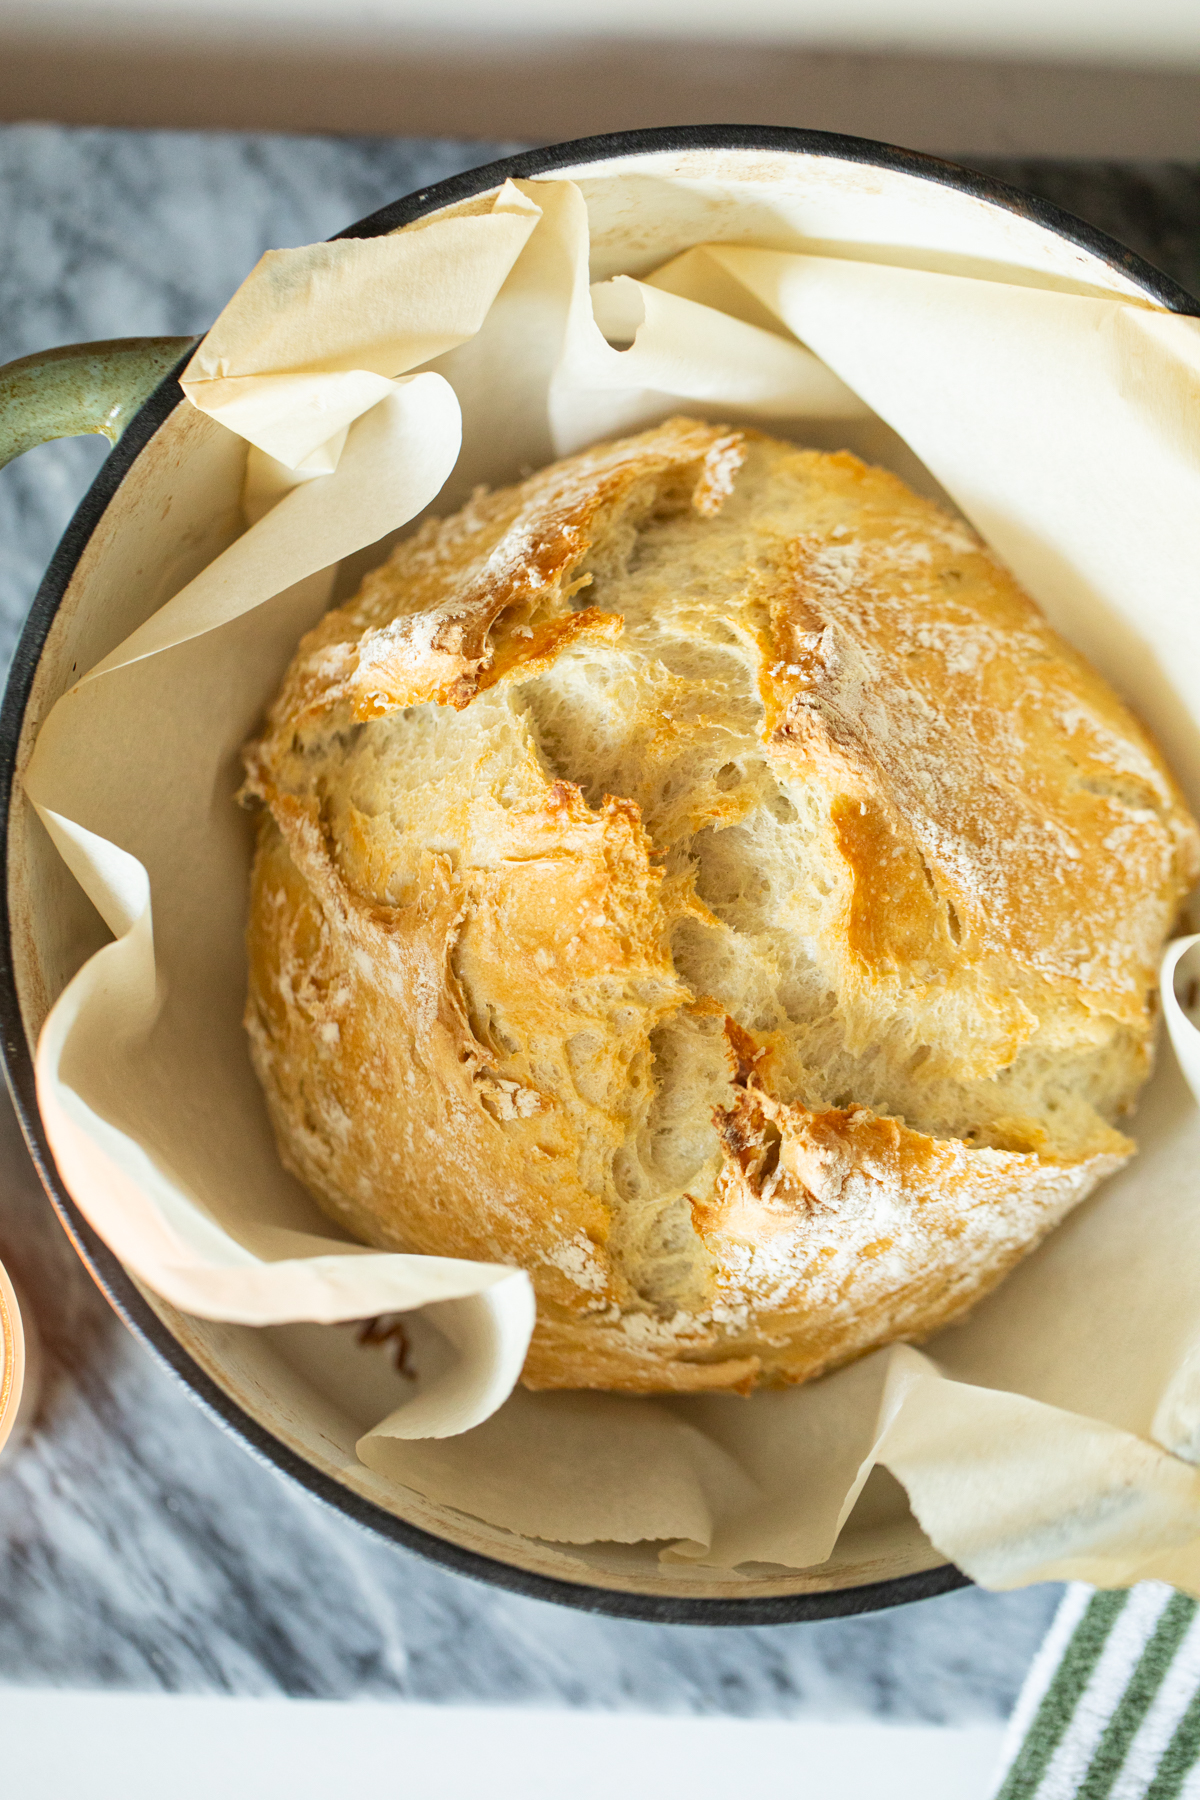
column 699, row 876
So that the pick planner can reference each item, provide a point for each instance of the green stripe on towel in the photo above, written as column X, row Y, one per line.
column 1137, row 1699
column 1180, row 1755
column 1063, row 1695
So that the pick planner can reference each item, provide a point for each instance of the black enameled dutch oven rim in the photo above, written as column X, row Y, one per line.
column 104, row 1267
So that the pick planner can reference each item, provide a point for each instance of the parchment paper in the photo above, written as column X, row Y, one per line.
column 1051, row 1436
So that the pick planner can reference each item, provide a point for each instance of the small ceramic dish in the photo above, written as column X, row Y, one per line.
column 18, row 1368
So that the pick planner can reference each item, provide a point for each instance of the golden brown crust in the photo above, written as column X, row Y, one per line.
column 530, row 989
column 984, row 746
column 874, row 1228
column 419, row 629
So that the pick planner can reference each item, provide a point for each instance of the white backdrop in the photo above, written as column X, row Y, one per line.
column 1154, row 32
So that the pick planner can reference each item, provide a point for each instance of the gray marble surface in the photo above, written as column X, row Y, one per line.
column 139, row 1546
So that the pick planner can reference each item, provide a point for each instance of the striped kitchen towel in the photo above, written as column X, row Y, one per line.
column 1111, row 1707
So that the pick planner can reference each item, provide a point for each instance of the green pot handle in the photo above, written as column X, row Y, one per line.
column 80, row 389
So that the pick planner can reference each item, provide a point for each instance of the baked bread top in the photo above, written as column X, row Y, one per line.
column 700, row 876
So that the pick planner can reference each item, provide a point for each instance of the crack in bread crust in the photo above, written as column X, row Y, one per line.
column 700, row 876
